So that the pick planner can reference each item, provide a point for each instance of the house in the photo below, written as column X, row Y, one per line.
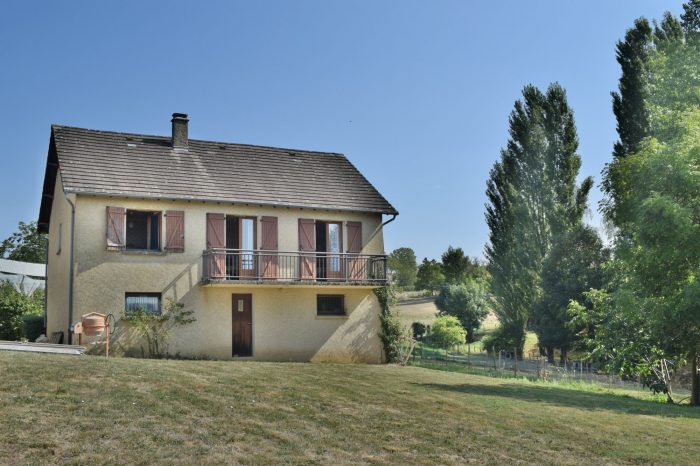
column 276, row 251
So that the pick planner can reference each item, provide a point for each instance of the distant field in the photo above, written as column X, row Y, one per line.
column 416, row 309
column 92, row 410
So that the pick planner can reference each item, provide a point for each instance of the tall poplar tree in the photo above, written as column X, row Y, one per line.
column 532, row 199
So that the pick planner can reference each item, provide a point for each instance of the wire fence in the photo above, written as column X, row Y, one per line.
column 533, row 366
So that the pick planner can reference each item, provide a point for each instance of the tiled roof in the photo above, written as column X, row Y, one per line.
column 134, row 165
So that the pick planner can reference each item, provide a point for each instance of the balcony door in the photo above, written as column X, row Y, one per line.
column 329, row 247
column 241, row 239
column 247, row 233
column 334, row 248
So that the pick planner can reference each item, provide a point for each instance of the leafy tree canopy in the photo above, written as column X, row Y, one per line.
column 403, row 262
column 25, row 245
column 532, row 198
column 572, row 267
column 429, row 276
column 470, row 302
column 447, row 331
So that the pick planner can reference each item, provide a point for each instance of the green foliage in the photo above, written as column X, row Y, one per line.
column 614, row 331
column 457, row 266
column 429, row 276
column 629, row 101
column 446, row 331
column 418, row 329
column 504, row 339
column 469, row 302
column 155, row 328
column 573, row 266
column 25, row 245
column 392, row 329
column 648, row 314
column 32, row 326
column 403, row 262
column 533, row 198
column 13, row 307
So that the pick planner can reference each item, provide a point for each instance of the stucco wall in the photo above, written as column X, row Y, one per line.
column 58, row 263
column 285, row 325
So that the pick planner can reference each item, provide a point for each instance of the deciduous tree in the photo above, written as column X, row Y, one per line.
column 25, row 245
column 532, row 198
column 403, row 262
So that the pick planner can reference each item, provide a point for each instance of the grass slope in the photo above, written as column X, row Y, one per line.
column 57, row 409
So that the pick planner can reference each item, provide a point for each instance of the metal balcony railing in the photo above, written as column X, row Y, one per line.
column 232, row 265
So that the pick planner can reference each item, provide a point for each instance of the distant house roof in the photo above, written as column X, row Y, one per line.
column 133, row 165
column 22, row 268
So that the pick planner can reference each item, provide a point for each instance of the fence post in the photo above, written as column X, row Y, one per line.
column 515, row 362
column 493, row 352
column 469, row 354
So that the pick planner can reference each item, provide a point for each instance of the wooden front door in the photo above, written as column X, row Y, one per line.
column 242, row 316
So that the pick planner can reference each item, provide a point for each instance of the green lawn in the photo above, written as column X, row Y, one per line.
column 85, row 410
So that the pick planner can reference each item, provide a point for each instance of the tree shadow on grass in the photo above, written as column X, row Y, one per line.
column 570, row 398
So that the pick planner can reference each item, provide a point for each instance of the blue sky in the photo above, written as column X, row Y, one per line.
column 416, row 94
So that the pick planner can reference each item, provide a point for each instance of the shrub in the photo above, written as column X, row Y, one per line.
column 33, row 326
column 501, row 340
column 14, row 305
column 469, row 302
column 155, row 328
column 447, row 331
column 392, row 328
column 418, row 329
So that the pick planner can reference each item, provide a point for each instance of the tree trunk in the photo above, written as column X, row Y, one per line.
column 695, row 383
column 562, row 356
column 550, row 354
column 470, row 335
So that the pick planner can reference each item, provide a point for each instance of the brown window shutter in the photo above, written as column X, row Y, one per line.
column 307, row 249
column 175, row 231
column 269, row 233
column 216, row 239
column 116, row 228
column 354, row 237
column 269, row 244
column 216, row 224
column 356, row 265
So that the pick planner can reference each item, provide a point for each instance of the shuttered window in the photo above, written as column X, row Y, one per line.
column 133, row 229
column 307, row 248
column 116, row 228
column 269, row 245
column 175, row 231
column 357, row 268
column 215, row 265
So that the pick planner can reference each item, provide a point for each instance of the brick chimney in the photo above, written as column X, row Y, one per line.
column 180, row 130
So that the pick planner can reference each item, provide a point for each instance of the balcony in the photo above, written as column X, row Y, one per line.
column 280, row 267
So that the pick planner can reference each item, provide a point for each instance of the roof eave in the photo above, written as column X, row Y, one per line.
column 84, row 192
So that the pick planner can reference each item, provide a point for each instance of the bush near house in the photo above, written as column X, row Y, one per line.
column 13, row 307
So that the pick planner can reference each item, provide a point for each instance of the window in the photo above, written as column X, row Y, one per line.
column 247, row 242
column 142, row 230
column 330, row 305
column 334, row 247
column 149, row 302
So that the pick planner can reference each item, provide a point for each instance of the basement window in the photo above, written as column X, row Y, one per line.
column 148, row 302
column 330, row 305
column 142, row 230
